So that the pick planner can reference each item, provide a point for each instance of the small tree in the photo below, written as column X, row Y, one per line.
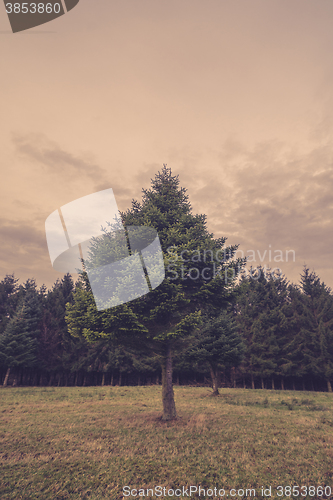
column 217, row 344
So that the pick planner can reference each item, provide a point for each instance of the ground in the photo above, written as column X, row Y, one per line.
column 91, row 442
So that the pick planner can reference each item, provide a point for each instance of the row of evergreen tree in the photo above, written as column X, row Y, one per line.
column 273, row 334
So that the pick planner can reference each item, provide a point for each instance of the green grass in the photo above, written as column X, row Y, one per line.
column 80, row 443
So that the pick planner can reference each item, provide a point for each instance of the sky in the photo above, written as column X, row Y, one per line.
column 236, row 97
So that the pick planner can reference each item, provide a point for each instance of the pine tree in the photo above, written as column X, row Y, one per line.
column 261, row 314
column 54, row 333
column 18, row 343
column 163, row 318
column 8, row 302
column 310, row 350
column 217, row 344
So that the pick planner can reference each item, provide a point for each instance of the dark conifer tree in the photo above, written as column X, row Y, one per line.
column 217, row 344
column 8, row 299
column 310, row 350
column 54, row 338
column 163, row 318
column 262, row 320
column 18, row 343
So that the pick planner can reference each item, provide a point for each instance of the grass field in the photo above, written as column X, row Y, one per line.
column 80, row 443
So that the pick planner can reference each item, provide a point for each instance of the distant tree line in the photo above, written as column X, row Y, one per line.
column 271, row 334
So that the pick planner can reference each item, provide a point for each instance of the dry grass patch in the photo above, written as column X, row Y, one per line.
column 78, row 443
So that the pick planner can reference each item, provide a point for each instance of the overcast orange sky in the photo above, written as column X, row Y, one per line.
column 235, row 96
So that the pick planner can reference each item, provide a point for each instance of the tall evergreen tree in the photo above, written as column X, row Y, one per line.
column 194, row 282
column 310, row 350
column 18, row 343
column 261, row 314
column 8, row 299
column 54, row 338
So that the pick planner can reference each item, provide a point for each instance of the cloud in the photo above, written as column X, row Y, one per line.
column 22, row 247
column 23, row 250
column 267, row 197
column 38, row 148
column 20, row 235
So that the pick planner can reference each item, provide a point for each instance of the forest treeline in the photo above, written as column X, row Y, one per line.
column 283, row 332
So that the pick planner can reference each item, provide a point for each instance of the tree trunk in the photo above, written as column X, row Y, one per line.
column 111, row 383
column 103, row 379
column 215, row 375
column 294, row 388
column 329, row 386
column 303, row 385
column 75, row 383
column 282, row 384
column 252, row 382
column 119, row 383
column 169, row 407
column 158, row 379
column 43, row 380
column 244, row 384
column 262, row 383
column 273, row 387
column 233, row 376
column 6, row 377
